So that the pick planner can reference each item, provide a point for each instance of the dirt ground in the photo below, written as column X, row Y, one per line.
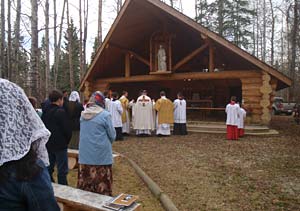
column 207, row 172
column 125, row 180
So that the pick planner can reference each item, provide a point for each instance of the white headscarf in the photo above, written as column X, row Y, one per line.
column 20, row 125
column 74, row 96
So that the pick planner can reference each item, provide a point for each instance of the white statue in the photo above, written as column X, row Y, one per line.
column 162, row 58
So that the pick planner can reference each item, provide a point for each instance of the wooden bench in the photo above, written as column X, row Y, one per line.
column 73, row 158
column 72, row 199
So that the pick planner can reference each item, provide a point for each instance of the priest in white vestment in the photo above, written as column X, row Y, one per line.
column 143, row 121
column 180, row 115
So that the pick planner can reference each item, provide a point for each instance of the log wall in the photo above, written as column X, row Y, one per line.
column 252, row 97
column 258, row 93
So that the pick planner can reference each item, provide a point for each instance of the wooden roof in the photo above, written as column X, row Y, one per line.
column 135, row 24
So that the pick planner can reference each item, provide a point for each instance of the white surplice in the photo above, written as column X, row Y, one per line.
column 179, row 111
column 116, row 110
column 241, row 118
column 107, row 102
column 232, row 111
column 142, row 113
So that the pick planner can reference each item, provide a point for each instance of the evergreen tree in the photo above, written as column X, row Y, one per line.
column 95, row 47
column 229, row 18
column 240, row 16
column 63, row 79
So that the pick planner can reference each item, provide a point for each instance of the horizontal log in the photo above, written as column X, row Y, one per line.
column 252, row 80
column 234, row 74
column 249, row 86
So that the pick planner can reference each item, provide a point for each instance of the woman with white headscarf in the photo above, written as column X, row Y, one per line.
column 24, row 179
column 74, row 109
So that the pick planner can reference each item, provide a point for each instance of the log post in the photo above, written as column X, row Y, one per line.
column 252, row 97
column 127, row 65
column 266, row 90
column 211, row 58
column 87, row 90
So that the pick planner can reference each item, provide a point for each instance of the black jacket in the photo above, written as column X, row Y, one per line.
column 57, row 122
column 74, row 110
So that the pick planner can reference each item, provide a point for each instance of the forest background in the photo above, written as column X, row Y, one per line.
column 49, row 44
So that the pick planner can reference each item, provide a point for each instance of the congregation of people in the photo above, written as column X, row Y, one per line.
column 34, row 141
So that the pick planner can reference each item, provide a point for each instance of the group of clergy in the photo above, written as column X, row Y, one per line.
column 146, row 115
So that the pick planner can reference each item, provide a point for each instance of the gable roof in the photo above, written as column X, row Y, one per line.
column 188, row 22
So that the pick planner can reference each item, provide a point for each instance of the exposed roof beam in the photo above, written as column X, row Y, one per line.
column 190, row 56
column 132, row 53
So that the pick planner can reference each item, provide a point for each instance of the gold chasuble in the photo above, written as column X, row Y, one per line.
column 125, row 102
column 165, row 111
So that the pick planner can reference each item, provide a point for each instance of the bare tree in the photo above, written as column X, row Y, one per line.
column 85, row 29
column 33, row 72
column 70, row 48
column 15, row 69
column 272, row 32
column 57, row 49
column 100, row 23
column 9, row 42
column 2, row 46
column 47, row 70
column 264, row 33
column 294, row 34
column 119, row 5
column 80, row 42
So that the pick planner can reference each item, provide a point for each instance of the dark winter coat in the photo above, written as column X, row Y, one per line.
column 57, row 122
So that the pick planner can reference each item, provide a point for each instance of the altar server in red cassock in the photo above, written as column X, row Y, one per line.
column 232, row 111
column 241, row 123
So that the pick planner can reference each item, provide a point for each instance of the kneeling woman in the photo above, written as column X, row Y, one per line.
column 95, row 147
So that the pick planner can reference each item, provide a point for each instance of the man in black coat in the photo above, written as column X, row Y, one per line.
column 57, row 122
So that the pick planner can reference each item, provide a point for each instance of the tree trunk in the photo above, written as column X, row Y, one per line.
column 119, row 5
column 80, row 43
column 294, row 34
column 70, row 48
column 264, row 35
column 9, row 42
column 220, row 17
column 47, row 70
column 272, row 32
column 100, row 23
column 57, row 51
column 33, row 72
column 2, row 45
column 55, row 44
column 85, row 12
column 16, row 63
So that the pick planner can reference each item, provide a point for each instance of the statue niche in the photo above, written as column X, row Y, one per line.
column 160, row 53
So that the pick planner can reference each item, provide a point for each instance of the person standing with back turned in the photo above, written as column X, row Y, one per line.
column 57, row 121
column 25, row 184
column 232, row 111
column 95, row 147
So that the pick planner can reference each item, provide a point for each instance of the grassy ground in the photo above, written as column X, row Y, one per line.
column 207, row 172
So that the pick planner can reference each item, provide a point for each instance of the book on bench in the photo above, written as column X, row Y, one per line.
column 122, row 202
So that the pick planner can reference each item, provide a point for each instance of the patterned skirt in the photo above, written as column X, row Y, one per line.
column 97, row 179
